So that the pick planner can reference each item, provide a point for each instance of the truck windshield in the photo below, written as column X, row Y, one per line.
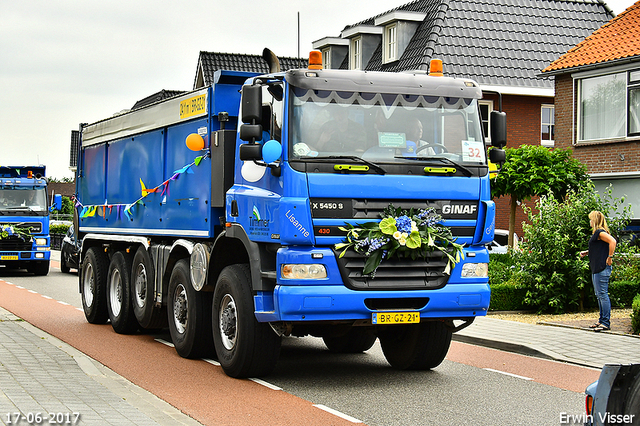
column 385, row 127
column 22, row 200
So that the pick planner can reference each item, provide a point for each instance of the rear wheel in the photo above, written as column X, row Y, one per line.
column 63, row 265
column 632, row 404
column 142, row 293
column 119, row 294
column 245, row 347
column 416, row 346
column 356, row 340
column 93, row 286
column 189, row 314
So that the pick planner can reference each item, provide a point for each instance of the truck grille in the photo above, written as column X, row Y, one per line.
column 14, row 244
column 394, row 274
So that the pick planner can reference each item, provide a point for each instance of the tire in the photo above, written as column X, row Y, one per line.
column 356, row 340
column 245, row 347
column 142, row 292
column 93, row 283
column 63, row 265
column 119, row 306
column 189, row 313
column 416, row 346
column 632, row 403
column 40, row 268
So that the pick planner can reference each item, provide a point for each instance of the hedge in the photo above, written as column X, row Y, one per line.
column 507, row 296
column 635, row 315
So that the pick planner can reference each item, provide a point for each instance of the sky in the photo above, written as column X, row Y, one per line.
column 68, row 62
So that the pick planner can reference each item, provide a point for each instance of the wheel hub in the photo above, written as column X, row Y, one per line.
column 228, row 322
column 180, row 309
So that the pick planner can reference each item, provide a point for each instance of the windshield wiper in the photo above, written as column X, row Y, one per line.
column 374, row 166
column 441, row 159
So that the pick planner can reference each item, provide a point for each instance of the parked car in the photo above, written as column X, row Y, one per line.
column 69, row 251
column 500, row 242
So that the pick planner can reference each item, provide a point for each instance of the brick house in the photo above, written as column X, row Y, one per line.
column 501, row 44
column 598, row 104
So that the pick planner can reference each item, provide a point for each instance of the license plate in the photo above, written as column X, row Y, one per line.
column 395, row 317
column 8, row 257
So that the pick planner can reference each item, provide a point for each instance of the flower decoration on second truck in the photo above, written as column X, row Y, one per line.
column 8, row 231
column 401, row 233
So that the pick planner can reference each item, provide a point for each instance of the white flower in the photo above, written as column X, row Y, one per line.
column 414, row 226
column 397, row 235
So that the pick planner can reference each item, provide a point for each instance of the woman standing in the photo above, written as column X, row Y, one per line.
column 601, row 248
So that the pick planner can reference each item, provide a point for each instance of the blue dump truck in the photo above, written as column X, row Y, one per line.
column 347, row 205
column 24, row 218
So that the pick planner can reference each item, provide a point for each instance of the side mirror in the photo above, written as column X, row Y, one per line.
column 57, row 202
column 497, row 156
column 498, row 128
column 250, row 151
column 251, row 104
column 251, row 132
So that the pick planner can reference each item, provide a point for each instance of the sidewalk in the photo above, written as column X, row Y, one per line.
column 577, row 346
column 43, row 379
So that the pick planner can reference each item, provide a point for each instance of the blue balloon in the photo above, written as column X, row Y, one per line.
column 271, row 151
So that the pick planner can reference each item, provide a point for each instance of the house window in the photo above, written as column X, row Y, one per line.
column 547, row 125
column 326, row 58
column 391, row 43
column 356, row 53
column 485, row 111
column 601, row 107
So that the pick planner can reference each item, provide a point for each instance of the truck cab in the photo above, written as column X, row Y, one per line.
column 24, row 219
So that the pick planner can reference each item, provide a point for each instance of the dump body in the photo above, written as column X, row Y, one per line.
column 24, row 219
column 238, row 190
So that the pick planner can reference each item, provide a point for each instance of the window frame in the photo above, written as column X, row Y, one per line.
column 552, row 124
column 630, row 86
column 355, row 53
column 390, row 43
column 489, row 104
column 326, row 58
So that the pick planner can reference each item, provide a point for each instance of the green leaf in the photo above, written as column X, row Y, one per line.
column 388, row 226
column 414, row 240
column 372, row 262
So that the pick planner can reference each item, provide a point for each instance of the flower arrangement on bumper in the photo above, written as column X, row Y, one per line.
column 401, row 233
column 8, row 231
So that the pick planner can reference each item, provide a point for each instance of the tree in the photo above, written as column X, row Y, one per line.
column 533, row 170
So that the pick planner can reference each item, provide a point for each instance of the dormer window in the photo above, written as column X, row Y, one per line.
column 326, row 58
column 390, row 42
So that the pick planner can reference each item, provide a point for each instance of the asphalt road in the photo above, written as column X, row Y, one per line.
column 474, row 385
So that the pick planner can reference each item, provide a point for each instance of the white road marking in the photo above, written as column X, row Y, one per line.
column 164, row 342
column 337, row 413
column 508, row 374
column 267, row 384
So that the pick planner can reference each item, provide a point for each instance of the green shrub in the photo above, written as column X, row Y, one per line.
column 635, row 315
column 507, row 296
column 58, row 229
column 622, row 293
column 556, row 278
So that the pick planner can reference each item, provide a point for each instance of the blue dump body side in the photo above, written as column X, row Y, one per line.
column 24, row 218
column 114, row 172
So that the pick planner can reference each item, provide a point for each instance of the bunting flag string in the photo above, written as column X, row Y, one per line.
column 128, row 209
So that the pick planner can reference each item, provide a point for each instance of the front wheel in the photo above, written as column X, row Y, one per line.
column 245, row 347
column 415, row 346
column 189, row 313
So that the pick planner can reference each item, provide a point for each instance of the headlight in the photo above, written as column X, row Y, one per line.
column 475, row 270
column 41, row 241
column 303, row 272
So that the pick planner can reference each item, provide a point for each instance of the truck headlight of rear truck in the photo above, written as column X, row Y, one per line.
column 41, row 241
column 303, row 272
column 475, row 270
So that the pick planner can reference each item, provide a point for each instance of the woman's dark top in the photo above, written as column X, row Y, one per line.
column 598, row 253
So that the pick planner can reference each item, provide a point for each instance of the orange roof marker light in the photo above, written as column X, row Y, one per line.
column 435, row 68
column 315, row 60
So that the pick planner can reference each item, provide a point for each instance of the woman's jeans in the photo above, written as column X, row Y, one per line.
column 601, row 288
